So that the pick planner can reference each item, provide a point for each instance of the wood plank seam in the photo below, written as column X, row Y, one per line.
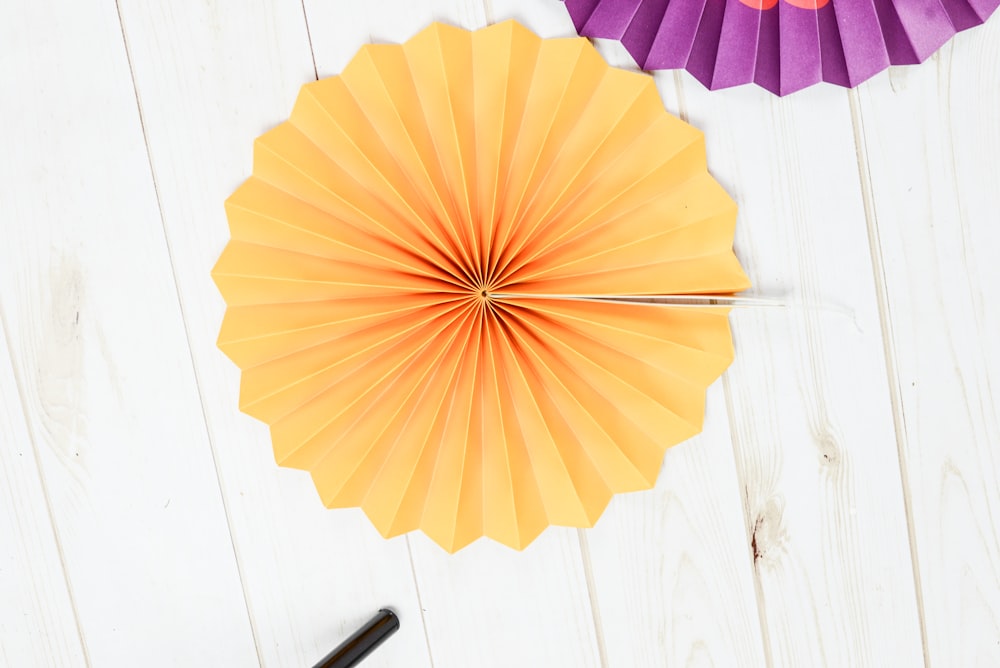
column 187, row 336
column 420, row 602
column 312, row 52
column 750, row 526
column 409, row 549
column 751, row 531
column 588, row 572
column 889, row 348
column 19, row 385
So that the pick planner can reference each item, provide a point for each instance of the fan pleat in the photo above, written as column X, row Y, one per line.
column 678, row 277
column 861, row 38
column 617, row 126
column 738, row 44
column 295, row 276
column 379, row 483
column 404, row 466
column 558, row 478
column 602, row 129
column 262, row 215
column 634, row 371
column 412, row 271
column 499, row 509
column 614, row 16
column 299, row 373
column 493, row 52
column 352, row 452
column 676, row 34
column 287, row 160
column 570, row 117
column 674, row 224
column 444, row 90
column 314, row 117
column 385, row 87
column 703, row 53
column 626, row 194
column 565, row 73
column 623, row 456
column 639, row 34
column 455, row 55
column 629, row 401
column 681, row 275
column 470, row 513
column 767, row 63
column 983, row 8
column 660, row 334
column 831, row 48
column 441, row 508
column 586, row 494
column 379, row 82
column 327, row 114
column 347, row 374
column 897, row 42
column 600, row 467
column 801, row 62
column 411, row 510
column 595, row 443
column 529, row 506
column 253, row 335
column 525, row 59
column 962, row 14
column 927, row 25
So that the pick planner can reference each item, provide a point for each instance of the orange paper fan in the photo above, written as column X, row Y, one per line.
column 412, row 276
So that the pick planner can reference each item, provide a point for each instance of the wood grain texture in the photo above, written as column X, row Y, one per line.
column 931, row 145
column 672, row 567
column 808, row 396
column 37, row 621
column 210, row 78
column 490, row 606
column 136, row 520
column 99, row 349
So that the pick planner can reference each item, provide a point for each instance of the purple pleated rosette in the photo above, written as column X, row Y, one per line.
column 781, row 45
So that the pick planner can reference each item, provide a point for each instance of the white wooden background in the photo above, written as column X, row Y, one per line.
column 840, row 509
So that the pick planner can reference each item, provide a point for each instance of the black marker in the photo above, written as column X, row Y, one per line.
column 363, row 642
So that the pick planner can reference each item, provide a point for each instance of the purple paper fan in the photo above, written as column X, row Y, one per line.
column 784, row 48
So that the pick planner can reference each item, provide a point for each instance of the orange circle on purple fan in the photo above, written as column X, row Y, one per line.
column 802, row 4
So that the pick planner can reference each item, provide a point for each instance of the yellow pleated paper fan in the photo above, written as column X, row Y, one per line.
column 412, row 276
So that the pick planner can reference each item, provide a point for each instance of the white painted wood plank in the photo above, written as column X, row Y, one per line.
column 211, row 77
column 37, row 620
column 932, row 146
column 671, row 568
column 808, row 394
column 98, row 345
column 487, row 605
column 492, row 607
column 547, row 19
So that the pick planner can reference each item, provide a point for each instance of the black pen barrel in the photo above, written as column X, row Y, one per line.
column 363, row 642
